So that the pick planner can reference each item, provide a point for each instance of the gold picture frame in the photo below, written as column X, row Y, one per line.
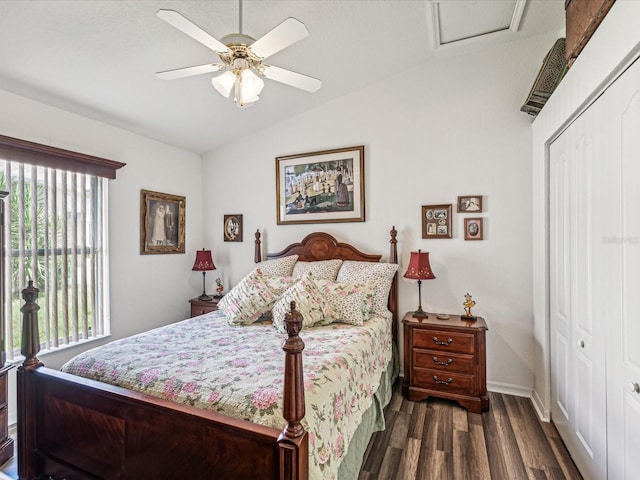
column 162, row 223
column 436, row 221
column 321, row 187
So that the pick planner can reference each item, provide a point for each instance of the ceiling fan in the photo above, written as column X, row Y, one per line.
column 242, row 58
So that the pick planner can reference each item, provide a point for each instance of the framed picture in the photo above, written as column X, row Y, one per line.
column 470, row 203
column 233, row 228
column 162, row 222
column 436, row 221
column 473, row 228
column 321, row 187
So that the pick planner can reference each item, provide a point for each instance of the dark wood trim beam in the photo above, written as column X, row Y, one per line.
column 23, row 151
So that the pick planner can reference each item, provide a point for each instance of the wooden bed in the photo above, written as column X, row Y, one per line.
column 74, row 428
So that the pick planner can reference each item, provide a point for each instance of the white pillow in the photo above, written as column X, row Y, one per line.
column 378, row 275
column 278, row 267
column 352, row 301
column 248, row 300
column 322, row 269
column 309, row 303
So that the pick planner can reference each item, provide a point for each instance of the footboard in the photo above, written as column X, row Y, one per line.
column 74, row 428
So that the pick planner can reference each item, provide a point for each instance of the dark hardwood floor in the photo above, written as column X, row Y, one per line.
column 439, row 440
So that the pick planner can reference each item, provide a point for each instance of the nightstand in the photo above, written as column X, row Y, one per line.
column 6, row 442
column 200, row 307
column 446, row 359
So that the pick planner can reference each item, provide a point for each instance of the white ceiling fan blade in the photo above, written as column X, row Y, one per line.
column 287, row 33
column 176, row 20
column 190, row 71
column 294, row 79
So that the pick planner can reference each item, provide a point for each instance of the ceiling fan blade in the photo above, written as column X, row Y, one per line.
column 190, row 71
column 294, row 79
column 176, row 20
column 287, row 33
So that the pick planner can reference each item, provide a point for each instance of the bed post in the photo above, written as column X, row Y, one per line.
column 257, row 256
column 293, row 442
column 393, row 294
column 27, row 468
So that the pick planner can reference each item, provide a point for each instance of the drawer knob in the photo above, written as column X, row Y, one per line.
column 581, row 344
column 444, row 364
column 438, row 342
column 442, row 382
column 634, row 387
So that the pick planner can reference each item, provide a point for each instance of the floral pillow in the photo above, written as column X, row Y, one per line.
column 248, row 300
column 378, row 275
column 309, row 303
column 351, row 301
column 322, row 269
column 278, row 267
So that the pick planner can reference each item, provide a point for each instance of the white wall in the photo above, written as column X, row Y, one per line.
column 442, row 129
column 146, row 290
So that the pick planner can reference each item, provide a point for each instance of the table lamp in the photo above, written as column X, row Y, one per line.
column 419, row 269
column 203, row 263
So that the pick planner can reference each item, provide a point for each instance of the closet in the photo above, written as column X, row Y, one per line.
column 594, row 282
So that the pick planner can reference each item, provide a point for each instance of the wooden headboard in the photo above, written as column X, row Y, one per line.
column 322, row 246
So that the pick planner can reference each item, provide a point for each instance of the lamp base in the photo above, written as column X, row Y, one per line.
column 205, row 298
column 420, row 314
column 468, row 318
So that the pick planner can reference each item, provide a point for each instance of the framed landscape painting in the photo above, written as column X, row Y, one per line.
column 162, row 222
column 321, row 187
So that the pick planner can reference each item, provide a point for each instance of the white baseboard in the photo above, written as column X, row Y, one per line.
column 538, row 405
column 509, row 389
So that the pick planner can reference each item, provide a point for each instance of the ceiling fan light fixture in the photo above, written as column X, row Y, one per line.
column 224, row 83
column 248, row 87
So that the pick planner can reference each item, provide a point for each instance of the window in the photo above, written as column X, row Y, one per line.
column 56, row 232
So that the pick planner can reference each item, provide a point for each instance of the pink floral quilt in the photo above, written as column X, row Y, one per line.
column 199, row 362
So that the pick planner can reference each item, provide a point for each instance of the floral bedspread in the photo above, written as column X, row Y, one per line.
column 198, row 362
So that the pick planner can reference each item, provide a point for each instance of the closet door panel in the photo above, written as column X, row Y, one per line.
column 630, row 247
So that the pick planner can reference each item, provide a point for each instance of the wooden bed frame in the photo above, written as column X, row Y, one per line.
column 74, row 428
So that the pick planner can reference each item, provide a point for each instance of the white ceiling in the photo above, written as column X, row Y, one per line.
column 98, row 58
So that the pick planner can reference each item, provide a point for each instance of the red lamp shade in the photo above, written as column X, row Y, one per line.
column 204, row 261
column 419, row 267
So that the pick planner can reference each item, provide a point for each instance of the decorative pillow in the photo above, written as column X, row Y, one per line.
column 278, row 267
column 309, row 303
column 248, row 300
column 378, row 275
column 351, row 301
column 322, row 269
column 279, row 284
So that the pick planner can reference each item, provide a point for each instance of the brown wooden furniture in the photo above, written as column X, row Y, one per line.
column 6, row 442
column 74, row 428
column 200, row 307
column 446, row 359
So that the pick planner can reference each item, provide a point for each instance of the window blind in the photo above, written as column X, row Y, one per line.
column 56, row 234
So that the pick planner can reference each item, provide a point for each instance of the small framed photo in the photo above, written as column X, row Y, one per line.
column 436, row 221
column 473, row 228
column 470, row 203
column 233, row 228
column 162, row 222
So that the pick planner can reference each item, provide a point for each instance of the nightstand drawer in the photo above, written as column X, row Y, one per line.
column 443, row 340
column 202, row 309
column 443, row 381
column 445, row 361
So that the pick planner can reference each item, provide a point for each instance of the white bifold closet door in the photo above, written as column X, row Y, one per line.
column 578, row 396
column 594, row 211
